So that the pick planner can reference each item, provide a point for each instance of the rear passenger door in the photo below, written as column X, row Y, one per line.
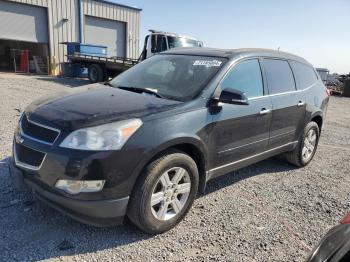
column 288, row 104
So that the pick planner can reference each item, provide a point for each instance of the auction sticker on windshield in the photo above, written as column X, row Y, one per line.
column 207, row 63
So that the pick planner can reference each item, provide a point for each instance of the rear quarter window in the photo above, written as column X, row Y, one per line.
column 304, row 74
column 279, row 75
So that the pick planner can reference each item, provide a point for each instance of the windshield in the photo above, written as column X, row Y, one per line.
column 175, row 42
column 178, row 77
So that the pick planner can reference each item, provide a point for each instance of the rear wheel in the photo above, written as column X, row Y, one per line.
column 164, row 193
column 95, row 73
column 307, row 145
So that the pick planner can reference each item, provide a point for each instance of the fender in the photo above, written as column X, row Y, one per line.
column 194, row 141
column 191, row 140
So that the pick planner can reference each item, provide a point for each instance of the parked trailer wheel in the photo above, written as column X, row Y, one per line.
column 96, row 73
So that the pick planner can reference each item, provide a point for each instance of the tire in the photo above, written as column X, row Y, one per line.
column 143, row 214
column 296, row 157
column 95, row 73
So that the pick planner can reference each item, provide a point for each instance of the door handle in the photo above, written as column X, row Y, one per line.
column 301, row 103
column 265, row 111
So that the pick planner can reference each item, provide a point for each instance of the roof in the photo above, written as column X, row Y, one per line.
column 170, row 34
column 322, row 69
column 235, row 53
column 121, row 5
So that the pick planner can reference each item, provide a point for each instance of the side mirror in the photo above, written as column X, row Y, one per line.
column 233, row 96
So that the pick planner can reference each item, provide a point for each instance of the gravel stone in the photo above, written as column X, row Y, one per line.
column 269, row 211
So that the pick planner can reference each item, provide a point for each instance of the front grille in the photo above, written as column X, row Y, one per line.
column 27, row 156
column 38, row 132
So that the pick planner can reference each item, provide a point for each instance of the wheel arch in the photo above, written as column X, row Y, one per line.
column 318, row 119
column 189, row 145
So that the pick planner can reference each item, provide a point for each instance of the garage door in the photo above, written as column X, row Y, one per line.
column 23, row 22
column 110, row 33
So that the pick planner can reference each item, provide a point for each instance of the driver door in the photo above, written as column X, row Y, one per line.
column 241, row 131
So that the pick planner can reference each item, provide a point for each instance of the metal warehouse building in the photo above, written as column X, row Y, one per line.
column 36, row 29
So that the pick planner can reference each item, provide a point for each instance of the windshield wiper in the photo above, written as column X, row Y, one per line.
column 142, row 90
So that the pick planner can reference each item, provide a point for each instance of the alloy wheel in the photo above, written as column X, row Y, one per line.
column 170, row 193
column 309, row 145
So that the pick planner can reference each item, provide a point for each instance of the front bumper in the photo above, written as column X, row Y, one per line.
column 118, row 168
column 41, row 163
column 93, row 212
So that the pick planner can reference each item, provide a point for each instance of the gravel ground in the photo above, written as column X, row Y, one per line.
column 269, row 211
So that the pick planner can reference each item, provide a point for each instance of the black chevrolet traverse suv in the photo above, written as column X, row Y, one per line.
column 143, row 144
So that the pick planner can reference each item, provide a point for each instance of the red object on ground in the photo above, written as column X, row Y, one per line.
column 24, row 60
column 346, row 219
column 328, row 92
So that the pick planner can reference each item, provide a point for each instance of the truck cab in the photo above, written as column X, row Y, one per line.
column 159, row 41
column 100, row 67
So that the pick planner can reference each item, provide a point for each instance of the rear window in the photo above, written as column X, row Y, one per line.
column 304, row 74
column 280, row 78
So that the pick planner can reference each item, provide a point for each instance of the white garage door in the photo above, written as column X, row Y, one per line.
column 23, row 22
column 110, row 33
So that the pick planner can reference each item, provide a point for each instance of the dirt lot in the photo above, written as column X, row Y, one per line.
column 269, row 211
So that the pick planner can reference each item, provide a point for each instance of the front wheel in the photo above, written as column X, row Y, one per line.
column 307, row 145
column 164, row 193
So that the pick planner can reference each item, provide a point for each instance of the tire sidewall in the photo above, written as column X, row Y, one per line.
column 99, row 72
column 175, row 160
column 92, row 76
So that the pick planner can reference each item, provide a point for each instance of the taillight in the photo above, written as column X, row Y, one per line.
column 346, row 219
column 328, row 92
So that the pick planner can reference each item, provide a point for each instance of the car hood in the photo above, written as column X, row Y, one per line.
column 93, row 105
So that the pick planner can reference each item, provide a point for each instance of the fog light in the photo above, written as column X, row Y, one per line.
column 80, row 186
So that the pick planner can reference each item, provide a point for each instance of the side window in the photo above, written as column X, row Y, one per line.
column 158, row 43
column 279, row 76
column 153, row 44
column 304, row 74
column 246, row 77
column 161, row 44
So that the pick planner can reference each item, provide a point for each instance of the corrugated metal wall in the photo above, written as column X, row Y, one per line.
column 68, row 31
column 130, row 16
column 32, row 2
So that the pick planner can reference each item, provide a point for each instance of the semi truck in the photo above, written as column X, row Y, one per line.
column 100, row 67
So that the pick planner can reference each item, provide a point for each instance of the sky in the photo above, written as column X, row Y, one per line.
column 318, row 30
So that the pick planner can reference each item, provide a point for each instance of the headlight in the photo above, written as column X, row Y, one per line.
column 110, row 136
column 80, row 186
